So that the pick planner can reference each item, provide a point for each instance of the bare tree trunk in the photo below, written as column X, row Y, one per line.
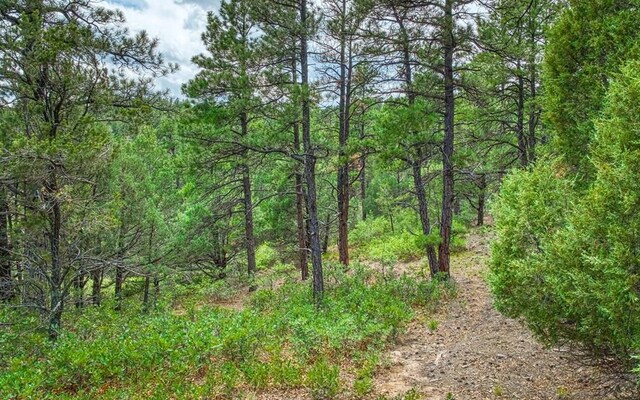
column 343, row 212
column 78, row 286
column 248, row 223
column 303, row 264
column 119, row 278
column 55, row 228
column 446, row 224
column 145, row 293
column 119, row 282
column 250, row 240
column 457, row 208
column 156, row 286
column 6, row 279
column 423, row 209
column 482, row 186
column 533, row 112
column 343, row 184
column 310, row 161
column 96, row 287
column 522, row 138
column 327, row 232
column 147, row 277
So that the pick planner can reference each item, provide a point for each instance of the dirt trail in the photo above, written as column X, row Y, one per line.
column 476, row 353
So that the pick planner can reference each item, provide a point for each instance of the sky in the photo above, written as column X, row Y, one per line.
column 177, row 24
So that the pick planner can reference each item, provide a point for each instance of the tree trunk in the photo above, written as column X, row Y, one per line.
column 248, row 223
column 303, row 264
column 145, row 294
column 533, row 114
column 156, row 286
column 250, row 240
column 343, row 168
column 363, row 176
column 119, row 281
column 446, row 224
column 119, row 278
column 147, row 277
column 416, row 165
column 327, row 232
column 96, row 287
column 78, row 286
column 482, row 186
column 343, row 210
column 310, row 162
column 54, row 234
column 6, row 279
column 423, row 209
column 522, row 138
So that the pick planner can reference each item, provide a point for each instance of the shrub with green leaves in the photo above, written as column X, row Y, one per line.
column 567, row 260
column 375, row 240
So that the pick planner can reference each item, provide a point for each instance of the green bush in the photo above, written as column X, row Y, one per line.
column 374, row 240
column 266, row 256
column 567, row 261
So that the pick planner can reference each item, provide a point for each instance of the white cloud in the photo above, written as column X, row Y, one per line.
column 177, row 24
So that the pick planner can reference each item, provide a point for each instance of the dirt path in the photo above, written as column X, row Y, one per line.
column 476, row 353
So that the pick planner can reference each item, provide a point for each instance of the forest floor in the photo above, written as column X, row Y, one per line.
column 476, row 353
column 467, row 350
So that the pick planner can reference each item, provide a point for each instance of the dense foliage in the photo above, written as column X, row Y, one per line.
column 566, row 257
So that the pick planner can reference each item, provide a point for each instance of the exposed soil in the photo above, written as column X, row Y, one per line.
column 477, row 353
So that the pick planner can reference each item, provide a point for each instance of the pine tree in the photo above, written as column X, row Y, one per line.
column 231, row 74
column 63, row 67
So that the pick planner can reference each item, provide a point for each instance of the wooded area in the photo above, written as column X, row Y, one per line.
column 320, row 145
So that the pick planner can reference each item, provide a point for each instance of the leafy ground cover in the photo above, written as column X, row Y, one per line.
column 279, row 340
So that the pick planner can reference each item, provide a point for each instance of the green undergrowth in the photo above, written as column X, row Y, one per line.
column 279, row 341
column 379, row 240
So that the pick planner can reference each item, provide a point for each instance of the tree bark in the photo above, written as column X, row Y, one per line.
column 363, row 175
column 533, row 113
column 327, row 232
column 6, row 279
column 54, row 234
column 343, row 168
column 78, row 286
column 250, row 240
column 423, row 209
column 119, row 273
column 310, row 161
column 156, row 286
column 147, row 277
column 145, row 293
column 444, row 251
column 96, row 287
column 303, row 264
column 522, row 138
column 119, row 282
column 482, row 194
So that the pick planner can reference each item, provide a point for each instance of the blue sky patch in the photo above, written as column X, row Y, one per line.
column 133, row 4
